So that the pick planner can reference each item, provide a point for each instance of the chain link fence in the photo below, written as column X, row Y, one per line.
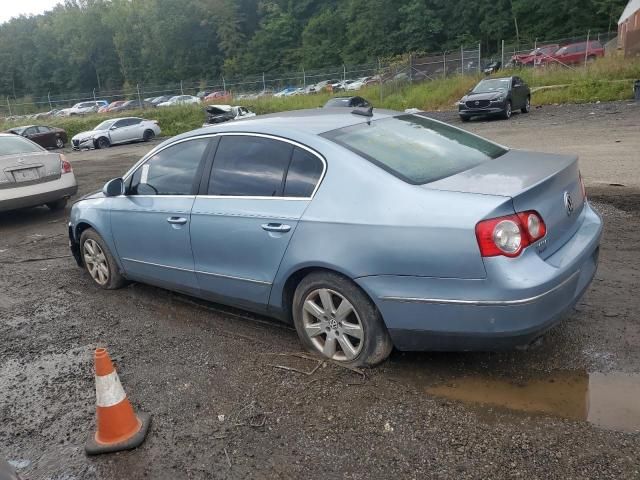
column 390, row 75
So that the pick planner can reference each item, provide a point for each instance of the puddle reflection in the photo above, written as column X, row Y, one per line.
column 610, row 401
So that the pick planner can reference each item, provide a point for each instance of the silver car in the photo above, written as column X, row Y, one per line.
column 116, row 131
column 32, row 176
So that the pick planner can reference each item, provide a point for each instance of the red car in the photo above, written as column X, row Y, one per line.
column 218, row 97
column 575, row 53
column 535, row 56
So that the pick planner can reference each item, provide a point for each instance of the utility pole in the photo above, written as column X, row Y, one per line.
column 94, row 94
column 380, row 78
column 304, row 78
column 479, row 57
column 49, row 98
column 224, row 85
column 139, row 99
column 502, row 59
column 264, row 84
column 181, row 89
column 444, row 65
column 344, row 72
column 462, row 58
column 9, row 106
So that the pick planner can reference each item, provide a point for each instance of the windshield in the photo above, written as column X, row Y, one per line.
column 18, row 130
column 12, row 145
column 106, row 125
column 415, row 148
column 492, row 85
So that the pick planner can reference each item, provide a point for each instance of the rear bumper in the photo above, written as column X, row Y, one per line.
column 518, row 301
column 39, row 194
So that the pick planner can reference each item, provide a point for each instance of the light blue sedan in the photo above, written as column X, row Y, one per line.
column 366, row 230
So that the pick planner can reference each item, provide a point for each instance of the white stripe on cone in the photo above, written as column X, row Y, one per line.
column 109, row 391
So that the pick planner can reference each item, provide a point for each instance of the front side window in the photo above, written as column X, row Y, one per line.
column 415, row 148
column 171, row 171
column 249, row 166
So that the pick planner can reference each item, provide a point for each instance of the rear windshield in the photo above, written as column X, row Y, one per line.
column 416, row 149
column 13, row 145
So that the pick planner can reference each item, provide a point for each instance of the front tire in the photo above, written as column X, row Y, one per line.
column 103, row 142
column 59, row 143
column 506, row 113
column 527, row 106
column 465, row 118
column 335, row 318
column 99, row 262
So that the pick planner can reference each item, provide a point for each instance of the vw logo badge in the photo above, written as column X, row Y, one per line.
column 568, row 203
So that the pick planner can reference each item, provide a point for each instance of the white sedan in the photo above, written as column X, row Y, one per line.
column 115, row 131
column 180, row 100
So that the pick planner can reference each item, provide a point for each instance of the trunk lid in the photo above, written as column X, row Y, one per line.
column 546, row 183
column 24, row 169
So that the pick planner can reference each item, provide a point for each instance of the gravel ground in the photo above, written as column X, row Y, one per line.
column 222, row 410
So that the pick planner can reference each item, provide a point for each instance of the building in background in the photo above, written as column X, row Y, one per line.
column 629, row 29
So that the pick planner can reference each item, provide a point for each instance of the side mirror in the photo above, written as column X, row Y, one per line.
column 114, row 188
column 113, row 128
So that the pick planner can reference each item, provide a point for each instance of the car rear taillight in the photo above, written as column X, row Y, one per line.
column 65, row 165
column 584, row 190
column 509, row 235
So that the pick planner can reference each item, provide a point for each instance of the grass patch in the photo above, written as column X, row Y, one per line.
column 606, row 79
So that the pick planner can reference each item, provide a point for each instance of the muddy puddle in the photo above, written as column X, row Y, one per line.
column 609, row 401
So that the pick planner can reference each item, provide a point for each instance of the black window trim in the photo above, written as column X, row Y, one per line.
column 204, row 186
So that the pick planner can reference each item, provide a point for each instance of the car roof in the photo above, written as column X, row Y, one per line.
column 314, row 121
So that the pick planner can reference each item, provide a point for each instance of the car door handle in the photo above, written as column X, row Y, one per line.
column 276, row 227
column 177, row 220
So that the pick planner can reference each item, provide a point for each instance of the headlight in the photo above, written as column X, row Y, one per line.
column 501, row 98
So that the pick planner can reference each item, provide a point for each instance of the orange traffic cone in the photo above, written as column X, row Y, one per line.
column 117, row 425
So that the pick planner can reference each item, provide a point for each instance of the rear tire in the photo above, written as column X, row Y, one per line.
column 148, row 135
column 527, row 106
column 103, row 142
column 98, row 261
column 59, row 143
column 336, row 319
column 506, row 113
column 57, row 205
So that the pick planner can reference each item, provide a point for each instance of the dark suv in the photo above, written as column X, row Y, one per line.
column 495, row 96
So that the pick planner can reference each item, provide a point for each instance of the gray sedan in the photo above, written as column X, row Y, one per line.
column 32, row 176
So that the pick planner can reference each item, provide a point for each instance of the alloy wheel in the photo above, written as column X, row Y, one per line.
column 95, row 261
column 59, row 143
column 332, row 324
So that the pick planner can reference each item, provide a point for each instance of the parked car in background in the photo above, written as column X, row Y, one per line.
column 285, row 92
column 535, row 56
column 575, row 53
column 224, row 113
column 217, row 96
column 161, row 99
column 357, row 84
column 180, row 100
column 492, row 67
column 115, row 131
column 132, row 105
column 50, row 113
column 203, row 93
column 32, row 176
column 47, row 137
column 363, row 232
column 83, row 108
column 348, row 102
column 496, row 96
column 111, row 106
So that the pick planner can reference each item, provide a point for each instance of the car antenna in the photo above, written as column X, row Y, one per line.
column 365, row 113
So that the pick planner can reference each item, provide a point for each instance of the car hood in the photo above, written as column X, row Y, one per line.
column 483, row 96
column 89, row 134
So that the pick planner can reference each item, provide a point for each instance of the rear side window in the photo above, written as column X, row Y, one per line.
column 172, row 171
column 415, row 148
column 249, row 166
column 303, row 175
column 12, row 145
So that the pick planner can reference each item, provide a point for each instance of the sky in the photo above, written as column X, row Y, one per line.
column 13, row 8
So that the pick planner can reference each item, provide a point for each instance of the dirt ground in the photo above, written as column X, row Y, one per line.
column 222, row 407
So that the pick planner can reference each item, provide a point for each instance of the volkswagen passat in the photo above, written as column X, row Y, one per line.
column 365, row 230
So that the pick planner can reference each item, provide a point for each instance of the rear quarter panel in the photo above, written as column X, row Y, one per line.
column 364, row 221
